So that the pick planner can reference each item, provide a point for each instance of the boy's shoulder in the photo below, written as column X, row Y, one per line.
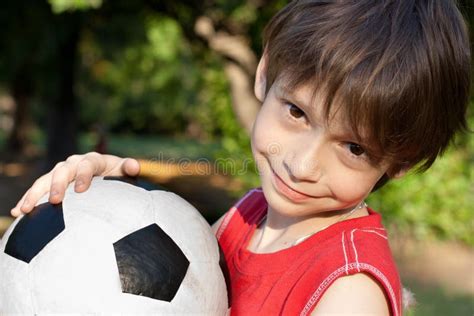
column 251, row 206
column 367, row 247
column 358, row 246
column 248, row 210
column 363, row 242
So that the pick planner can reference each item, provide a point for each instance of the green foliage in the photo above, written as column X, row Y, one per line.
column 148, row 86
column 164, row 37
column 438, row 203
column 60, row 6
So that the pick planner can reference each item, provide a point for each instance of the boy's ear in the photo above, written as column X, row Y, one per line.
column 261, row 78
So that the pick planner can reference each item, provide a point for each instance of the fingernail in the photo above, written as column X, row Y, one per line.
column 54, row 193
column 79, row 183
column 25, row 205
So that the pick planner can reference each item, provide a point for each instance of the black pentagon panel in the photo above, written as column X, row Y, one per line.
column 34, row 231
column 137, row 182
column 150, row 263
column 226, row 273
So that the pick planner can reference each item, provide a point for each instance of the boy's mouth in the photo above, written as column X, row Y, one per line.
column 287, row 191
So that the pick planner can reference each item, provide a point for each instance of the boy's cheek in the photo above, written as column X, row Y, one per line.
column 259, row 139
column 266, row 138
column 262, row 157
column 351, row 188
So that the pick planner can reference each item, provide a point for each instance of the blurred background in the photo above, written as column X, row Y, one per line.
column 171, row 83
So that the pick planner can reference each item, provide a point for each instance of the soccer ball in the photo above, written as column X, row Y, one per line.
column 116, row 248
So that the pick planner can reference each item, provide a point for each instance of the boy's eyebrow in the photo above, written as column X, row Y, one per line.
column 289, row 94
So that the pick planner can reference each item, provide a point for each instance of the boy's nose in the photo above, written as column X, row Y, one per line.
column 302, row 168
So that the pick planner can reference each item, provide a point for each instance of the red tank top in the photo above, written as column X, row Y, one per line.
column 292, row 281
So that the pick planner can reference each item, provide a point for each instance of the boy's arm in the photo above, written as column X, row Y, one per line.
column 356, row 294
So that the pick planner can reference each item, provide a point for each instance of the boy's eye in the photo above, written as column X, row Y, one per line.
column 356, row 149
column 295, row 111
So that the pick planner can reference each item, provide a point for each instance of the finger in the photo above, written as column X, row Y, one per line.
column 16, row 210
column 39, row 188
column 60, row 179
column 85, row 172
column 131, row 167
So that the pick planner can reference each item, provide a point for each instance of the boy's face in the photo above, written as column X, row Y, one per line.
column 308, row 165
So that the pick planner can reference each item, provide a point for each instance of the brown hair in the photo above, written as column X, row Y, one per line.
column 399, row 70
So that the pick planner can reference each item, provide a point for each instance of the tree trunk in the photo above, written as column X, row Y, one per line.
column 239, row 68
column 244, row 102
column 62, row 130
column 21, row 92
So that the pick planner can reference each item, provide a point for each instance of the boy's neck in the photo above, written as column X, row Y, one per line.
column 277, row 231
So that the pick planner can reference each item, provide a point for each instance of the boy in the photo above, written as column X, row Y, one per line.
column 354, row 93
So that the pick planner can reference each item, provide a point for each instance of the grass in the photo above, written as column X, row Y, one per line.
column 154, row 147
column 139, row 146
column 160, row 147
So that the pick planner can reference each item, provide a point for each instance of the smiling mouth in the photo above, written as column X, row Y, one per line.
column 288, row 191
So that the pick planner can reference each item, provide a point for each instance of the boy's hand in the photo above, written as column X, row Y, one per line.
column 79, row 168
